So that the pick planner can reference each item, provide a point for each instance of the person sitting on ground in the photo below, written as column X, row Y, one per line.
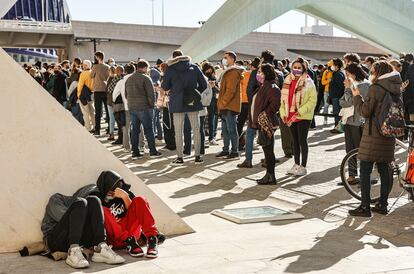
column 74, row 221
column 126, row 216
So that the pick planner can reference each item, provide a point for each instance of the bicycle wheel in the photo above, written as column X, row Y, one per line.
column 350, row 168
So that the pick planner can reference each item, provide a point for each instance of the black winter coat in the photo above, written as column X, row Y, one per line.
column 336, row 86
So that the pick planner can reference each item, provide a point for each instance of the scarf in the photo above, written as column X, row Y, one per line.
column 297, row 95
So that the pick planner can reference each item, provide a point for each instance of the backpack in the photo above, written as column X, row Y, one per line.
column 390, row 119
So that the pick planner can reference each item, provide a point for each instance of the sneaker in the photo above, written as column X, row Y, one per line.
column 381, row 209
column 198, row 160
column 231, row 156
column 360, row 211
column 245, row 164
column 300, row 171
column 137, row 155
column 177, row 162
column 76, row 259
column 111, row 137
column 292, row 171
column 143, row 240
column 152, row 251
column 213, row 143
column 222, row 155
column 155, row 155
column 107, row 255
column 133, row 247
column 159, row 142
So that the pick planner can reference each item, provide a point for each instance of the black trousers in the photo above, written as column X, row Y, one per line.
column 353, row 135
column 300, row 132
column 168, row 127
column 287, row 139
column 99, row 98
column 241, row 119
column 270, row 157
column 82, row 224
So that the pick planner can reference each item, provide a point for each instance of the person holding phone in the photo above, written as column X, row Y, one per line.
column 298, row 102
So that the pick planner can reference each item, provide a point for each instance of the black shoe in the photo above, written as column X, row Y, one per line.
column 177, row 162
column 361, row 211
column 198, row 160
column 186, row 153
column 143, row 240
column 137, row 155
column 222, row 155
column 277, row 161
column 380, row 209
column 231, row 156
column 97, row 133
column 169, row 148
column 133, row 247
column 268, row 179
column 288, row 156
column 245, row 164
column 152, row 251
column 117, row 142
column 335, row 131
column 155, row 155
column 262, row 161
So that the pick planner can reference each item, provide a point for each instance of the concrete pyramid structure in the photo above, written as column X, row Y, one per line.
column 43, row 150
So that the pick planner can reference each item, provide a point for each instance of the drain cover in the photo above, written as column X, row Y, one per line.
column 256, row 214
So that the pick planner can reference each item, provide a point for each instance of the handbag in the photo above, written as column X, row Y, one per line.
column 262, row 139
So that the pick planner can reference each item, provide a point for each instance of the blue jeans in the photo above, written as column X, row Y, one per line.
column 77, row 113
column 336, row 109
column 144, row 118
column 157, row 124
column 230, row 135
column 250, row 134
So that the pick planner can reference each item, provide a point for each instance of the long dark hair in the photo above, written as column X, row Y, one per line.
column 380, row 68
column 356, row 70
column 269, row 72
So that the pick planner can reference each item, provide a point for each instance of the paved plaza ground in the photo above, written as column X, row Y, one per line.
column 326, row 241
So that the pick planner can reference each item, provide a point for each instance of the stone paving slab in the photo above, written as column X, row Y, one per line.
column 326, row 241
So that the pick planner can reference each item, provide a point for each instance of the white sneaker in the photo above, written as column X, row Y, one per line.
column 159, row 142
column 213, row 143
column 76, row 259
column 292, row 171
column 107, row 255
column 300, row 171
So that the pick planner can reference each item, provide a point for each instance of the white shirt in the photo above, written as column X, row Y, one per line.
column 120, row 89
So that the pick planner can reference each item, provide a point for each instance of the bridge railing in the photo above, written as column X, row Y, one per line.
column 35, row 25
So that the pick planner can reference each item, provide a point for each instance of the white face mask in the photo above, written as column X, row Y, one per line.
column 333, row 68
column 224, row 62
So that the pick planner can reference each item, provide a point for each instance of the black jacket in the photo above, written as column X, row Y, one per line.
column 408, row 95
column 60, row 88
column 336, row 87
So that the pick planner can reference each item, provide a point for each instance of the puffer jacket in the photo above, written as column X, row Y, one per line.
column 58, row 205
column 374, row 147
column 181, row 74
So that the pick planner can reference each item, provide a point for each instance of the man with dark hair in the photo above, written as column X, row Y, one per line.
column 369, row 61
column 267, row 57
column 177, row 53
column 229, row 105
column 183, row 80
column 100, row 74
column 336, row 90
column 60, row 87
column 350, row 58
column 66, row 67
column 139, row 92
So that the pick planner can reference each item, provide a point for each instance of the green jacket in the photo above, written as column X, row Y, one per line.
column 306, row 109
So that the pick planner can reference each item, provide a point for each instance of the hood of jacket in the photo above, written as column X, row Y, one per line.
column 391, row 81
column 180, row 63
column 109, row 180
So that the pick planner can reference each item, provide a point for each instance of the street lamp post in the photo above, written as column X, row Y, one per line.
column 163, row 12
column 152, row 11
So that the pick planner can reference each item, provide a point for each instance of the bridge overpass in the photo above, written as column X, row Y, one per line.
column 127, row 42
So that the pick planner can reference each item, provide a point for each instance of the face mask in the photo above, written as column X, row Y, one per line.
column 109, row 198
column 333, row 68
column 259, row 78
column 224, row 62
column 297, row 72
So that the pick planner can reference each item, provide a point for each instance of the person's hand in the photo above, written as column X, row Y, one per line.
column 355, row 92
column 119, row 193
column 347, row 83
column 404, row 85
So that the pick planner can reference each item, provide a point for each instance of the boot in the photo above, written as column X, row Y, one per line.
column 268, row 179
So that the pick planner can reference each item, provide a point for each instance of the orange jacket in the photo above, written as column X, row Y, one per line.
column 244, row 83
column 230, row 90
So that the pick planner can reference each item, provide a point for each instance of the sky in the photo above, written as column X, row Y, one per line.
column 182, row 13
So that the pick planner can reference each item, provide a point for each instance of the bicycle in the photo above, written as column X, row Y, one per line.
column 350, row 168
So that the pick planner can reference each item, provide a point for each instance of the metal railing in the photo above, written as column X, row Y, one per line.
column 35, row 25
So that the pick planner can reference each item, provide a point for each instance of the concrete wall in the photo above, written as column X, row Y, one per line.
column 44, row 151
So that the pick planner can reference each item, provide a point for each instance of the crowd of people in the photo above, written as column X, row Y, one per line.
column 180, row 103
